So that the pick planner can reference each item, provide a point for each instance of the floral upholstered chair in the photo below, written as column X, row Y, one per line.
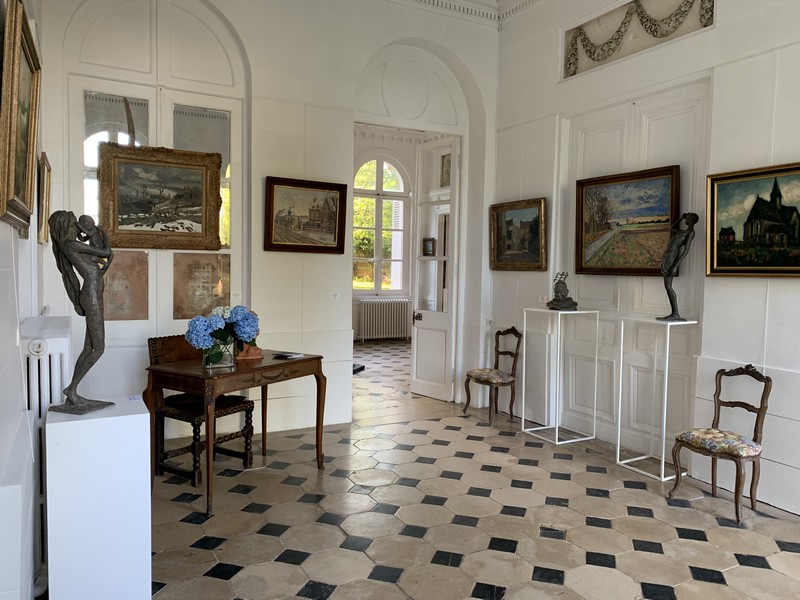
column 721, row 443
column 494, row 377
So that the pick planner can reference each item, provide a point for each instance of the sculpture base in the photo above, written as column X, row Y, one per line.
column 671, row 318
column 80, row 408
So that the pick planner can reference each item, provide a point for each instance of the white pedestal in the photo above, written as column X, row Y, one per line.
column 667, row 326
column 98, row 503
column 558, row 316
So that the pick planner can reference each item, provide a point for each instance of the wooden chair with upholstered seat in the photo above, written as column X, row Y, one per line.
column 496, row 378
column 190, row 408
column 721, row 443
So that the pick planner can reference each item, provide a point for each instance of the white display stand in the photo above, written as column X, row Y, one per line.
column 627, row 463
column 98, row 503
column 558, row 316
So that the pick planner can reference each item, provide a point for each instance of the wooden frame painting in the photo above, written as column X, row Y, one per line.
column 623, row 222
column 200, row 281
column 43, row 205
column 19, row 118
column 753, row 222
column 518, row 236
column 159, row 197
column 304, row 216
column 125, row 294
column 444, row 170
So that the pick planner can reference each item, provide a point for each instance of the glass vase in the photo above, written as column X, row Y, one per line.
column 219, row 355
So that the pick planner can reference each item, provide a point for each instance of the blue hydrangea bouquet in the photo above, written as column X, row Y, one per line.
column 224, row 329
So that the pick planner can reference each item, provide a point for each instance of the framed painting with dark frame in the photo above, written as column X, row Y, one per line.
column 159, row 197
column 304, row 216
column 753, row 222
column 623, row 222
column 43, row 207
column 518, row 236
column 429, row 246
column 19, row 118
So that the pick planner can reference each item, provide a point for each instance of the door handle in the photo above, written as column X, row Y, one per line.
column 415, row 316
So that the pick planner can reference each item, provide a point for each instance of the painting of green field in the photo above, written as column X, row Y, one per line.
column 640, row 244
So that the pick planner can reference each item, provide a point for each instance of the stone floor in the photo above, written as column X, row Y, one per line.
column 419, row 501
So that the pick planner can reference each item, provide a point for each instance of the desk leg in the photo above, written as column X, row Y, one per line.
column 321, row 383
column 150, row 398
column 211, row 426
column 264, row 395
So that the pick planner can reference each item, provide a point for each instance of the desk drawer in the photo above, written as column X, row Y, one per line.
column 289, row 371
column 234, row 383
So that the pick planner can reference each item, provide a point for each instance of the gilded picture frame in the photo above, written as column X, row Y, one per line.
column 518, row 236
column 753, row 223
column 19, row 118
column 43, row 198
column 623, row 222
column 159, row 197
column 304, row 216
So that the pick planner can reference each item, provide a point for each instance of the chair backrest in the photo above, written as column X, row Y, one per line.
column 500, row 342
column 759, row 409
column 171, row 348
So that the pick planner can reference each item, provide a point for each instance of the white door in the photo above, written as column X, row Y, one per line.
column 432, row 343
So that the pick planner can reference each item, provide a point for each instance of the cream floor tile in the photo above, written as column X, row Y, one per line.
column 247, row 550
column 337, row 566
column 313, row 537
column 372, row 525
column 787, row 563
column 551, row 553
column 368, row 590
column 599, row 583
column 399, row 495
column 497, row 568
column 762, row 584
column 424, row 515
column 436, row 582
column 457, row 538
column 400, row 551
column 267, row 581
column 653, row 568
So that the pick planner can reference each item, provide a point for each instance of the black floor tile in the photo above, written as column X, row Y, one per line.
column 597, row 493
column 691, row 534
column 403, row 447
column 503, row 545
column 331, row 519
column 242, row 489
column 562, row 456
column 635, row 485
column 481, row 492
column 223, row 571
column 422, row 431
column 464, row 454
column 384, row 573
column 752, row 560
column 229, row 472
column 386, row 509
column 316, row 590
column 679, row 503
column 408, row 482
column 491, row 468
column 441, row 443
column 273, row 529
column 292, row 557
column 562, row 476
column 452, row 428
column 195, row 518
column 528, row 462
column 723, row 522
column 354, row 542
column 311, row 498
column 208, row 542
column 523, row 485
column 465, row 520
column 656, row 591
column 598, row 522
column 598, row 559
column 554, row 534
column 593, row 469
column 545, row 575
column 707, row 575
column 648, row 546
column 534, row 444
column 361, row 489
column 451, row 475
column 434, row 500
column 557, row 501
column 341, row 473
column 426, row 460
column 256, row 508
column 788, row 546
column 448, row 559
column 294, row 481
column 501, row 449
column 487, row 591
column 639, row 511
column 414, row 531
column 513, row 511
column 186, row 497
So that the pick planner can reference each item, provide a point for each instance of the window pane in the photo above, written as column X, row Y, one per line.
column 365, row 178
column 363, row 275
column 203, row 130
column 392, row 182
column 392, row 217
column 363, row 243
column 363, row 212
column 392, row 246
column 392, row 275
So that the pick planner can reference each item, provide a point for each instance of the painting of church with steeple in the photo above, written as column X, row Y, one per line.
column 754, row 222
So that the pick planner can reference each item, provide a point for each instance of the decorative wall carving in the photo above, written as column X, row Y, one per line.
column 657, row 29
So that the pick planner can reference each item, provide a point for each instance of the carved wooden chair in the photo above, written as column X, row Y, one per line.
column 721, row 443
column 190, row 408
column 494, row 377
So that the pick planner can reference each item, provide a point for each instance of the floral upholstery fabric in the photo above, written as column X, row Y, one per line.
column 720, row 441
column 491, row 376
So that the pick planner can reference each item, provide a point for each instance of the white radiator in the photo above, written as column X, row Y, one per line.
column 385, row 318
column 46, row 355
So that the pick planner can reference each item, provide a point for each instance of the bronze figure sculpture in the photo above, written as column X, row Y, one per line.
column 677, row 248
column 83, row 247
column 561, row 299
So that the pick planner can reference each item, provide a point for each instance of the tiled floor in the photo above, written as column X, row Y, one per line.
column 418, row 501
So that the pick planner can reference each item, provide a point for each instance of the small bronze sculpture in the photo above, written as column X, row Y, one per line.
column 82, row 246
column 677, row 249
column 561, row 299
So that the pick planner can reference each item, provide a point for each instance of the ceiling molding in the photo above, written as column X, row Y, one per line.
column 379, row 134
column 488, row 12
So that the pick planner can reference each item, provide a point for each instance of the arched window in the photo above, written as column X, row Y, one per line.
column 380, row 221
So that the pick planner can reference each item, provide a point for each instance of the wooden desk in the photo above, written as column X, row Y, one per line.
column 190, row 376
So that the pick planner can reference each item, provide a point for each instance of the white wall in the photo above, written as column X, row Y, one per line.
column 750, row 99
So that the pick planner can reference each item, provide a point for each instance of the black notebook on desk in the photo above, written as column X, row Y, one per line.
column 286, row 354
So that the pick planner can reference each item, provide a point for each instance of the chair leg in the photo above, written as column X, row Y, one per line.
column 511, row 405
column 466, row 405
column 197, row 450
column 754, row 482
column 738, row 492
column 492, row 402
column 247, row 460
column 676, row 461
column 714, row 477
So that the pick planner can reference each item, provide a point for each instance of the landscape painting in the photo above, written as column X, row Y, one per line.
column 624, row 221
column 159, row 197
column 517, row 232
column 304, row 216
column 754, row 222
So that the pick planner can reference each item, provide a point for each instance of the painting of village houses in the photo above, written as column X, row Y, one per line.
column 517, row 236
column 624, row 221
column 754, row 222
column 304, row 216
